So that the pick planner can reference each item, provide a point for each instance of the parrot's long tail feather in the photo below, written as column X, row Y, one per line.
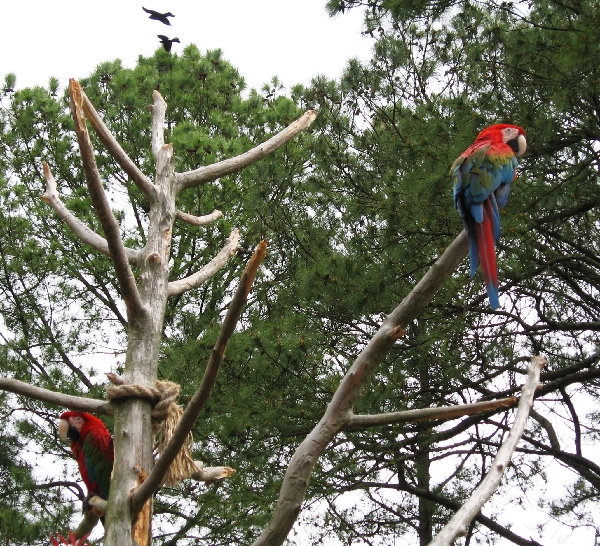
column 473, row 250
column 487, row 253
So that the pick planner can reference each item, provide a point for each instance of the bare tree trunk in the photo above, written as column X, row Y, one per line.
column 133, row 425
column 422, row 464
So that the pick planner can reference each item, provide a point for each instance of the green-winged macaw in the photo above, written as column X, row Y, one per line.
column 482, row 175
column 92, row 447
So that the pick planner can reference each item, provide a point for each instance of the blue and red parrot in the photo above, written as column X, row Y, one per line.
column 92, row 447
column 482, row 175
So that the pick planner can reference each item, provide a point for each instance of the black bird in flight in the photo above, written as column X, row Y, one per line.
column 166, row 41
column 162, row 17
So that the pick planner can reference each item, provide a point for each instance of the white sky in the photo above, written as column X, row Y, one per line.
column 292, row 39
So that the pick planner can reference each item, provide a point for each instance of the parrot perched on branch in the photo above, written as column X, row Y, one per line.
column 482, row 175
column 92, row 447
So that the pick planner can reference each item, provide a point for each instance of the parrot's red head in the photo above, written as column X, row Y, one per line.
column 74, row 424
column 505, row 133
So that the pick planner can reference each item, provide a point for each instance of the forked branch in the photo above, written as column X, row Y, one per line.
column 338, row 414
column 457, row 526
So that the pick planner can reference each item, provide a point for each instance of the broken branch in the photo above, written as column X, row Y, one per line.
column 209, row 474
column 155, row 478
column 339, row 411
column 107, row 219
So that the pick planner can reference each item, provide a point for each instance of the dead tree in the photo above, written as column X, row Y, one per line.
column 136, row 477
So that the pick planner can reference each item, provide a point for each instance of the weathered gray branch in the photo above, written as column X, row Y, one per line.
column 209, row 474
column 202, row 175
column 82, row 231
column 155, row 478
column 159, row 109
column 198, row 220
column 201, row 276
column 457, row 526
column 339, row 411
column 428, row 414
column 115, row 150
column 107, row 220
column 91, row 405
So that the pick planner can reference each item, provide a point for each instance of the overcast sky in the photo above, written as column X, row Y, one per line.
column 292, row 39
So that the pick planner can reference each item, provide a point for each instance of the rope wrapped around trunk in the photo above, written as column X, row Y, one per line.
column 166, row 414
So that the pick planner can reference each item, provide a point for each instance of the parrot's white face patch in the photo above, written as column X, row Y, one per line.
column 510, row 133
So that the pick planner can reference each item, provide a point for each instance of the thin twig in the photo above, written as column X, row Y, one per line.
column 155, row 478
column 109, row 223
column 202, row 175
column 458, row 524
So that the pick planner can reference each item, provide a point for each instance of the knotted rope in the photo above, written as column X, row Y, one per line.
column 166, row 414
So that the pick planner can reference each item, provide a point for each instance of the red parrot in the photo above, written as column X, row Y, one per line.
column 92, row 447
column 482, row 175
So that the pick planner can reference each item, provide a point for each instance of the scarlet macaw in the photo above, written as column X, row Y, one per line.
column 482, row 175
column 92, row 447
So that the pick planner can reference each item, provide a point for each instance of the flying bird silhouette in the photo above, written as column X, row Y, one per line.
column 162, row 17
column 166, row 41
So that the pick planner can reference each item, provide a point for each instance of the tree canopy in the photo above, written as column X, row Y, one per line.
column 355, row 212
